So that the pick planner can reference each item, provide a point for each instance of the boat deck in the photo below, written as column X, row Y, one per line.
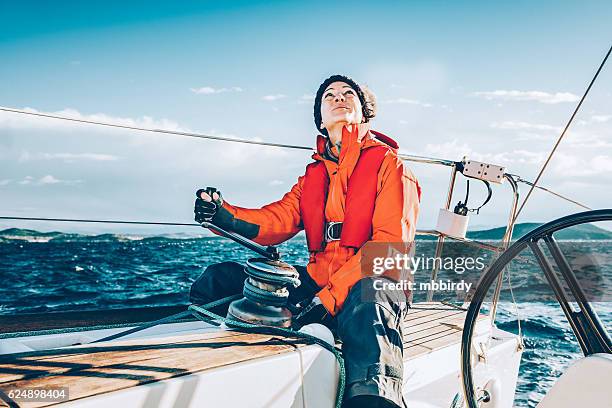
column 89, row 370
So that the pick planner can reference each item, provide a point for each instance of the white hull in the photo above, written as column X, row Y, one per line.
column 305, row 377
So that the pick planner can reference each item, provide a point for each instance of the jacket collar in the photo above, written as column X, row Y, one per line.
column 372, row 138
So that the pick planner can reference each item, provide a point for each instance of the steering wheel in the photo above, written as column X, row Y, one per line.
column 590, row 332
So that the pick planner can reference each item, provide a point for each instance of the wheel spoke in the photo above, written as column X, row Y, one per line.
column 560, row 294
column 590, row 333
column 587, row 314
column 549, row 273
column 565, row 269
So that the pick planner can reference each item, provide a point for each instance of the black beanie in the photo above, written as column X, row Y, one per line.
column 368, row 106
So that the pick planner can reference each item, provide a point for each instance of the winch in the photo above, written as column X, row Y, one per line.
column 265, row 293
column 265, row 290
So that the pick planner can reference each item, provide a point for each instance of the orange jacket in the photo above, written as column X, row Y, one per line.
column 337, row 268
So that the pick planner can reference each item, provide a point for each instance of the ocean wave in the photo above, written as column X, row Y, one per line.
column 536, row 327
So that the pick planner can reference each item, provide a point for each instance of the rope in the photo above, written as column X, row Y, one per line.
column 252, row 328
column 516, row 310
column 255, row 294
column 64, row 330
column 274, row 278
column 274, row 291
column 201, row 313
column 554, row 149
column 167, row 319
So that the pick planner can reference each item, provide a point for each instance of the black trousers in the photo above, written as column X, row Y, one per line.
column 370, row 326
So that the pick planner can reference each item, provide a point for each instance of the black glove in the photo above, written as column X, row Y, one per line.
column 313, row 312
column 214, row 213
column 206, row 210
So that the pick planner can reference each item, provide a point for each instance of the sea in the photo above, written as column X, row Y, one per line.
column 70, row 272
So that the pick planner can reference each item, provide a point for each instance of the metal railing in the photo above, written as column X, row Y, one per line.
column 479, row 244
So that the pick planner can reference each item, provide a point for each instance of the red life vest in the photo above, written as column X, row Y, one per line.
column 360, row 198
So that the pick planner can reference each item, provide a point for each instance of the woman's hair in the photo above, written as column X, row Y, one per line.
column 366, row 97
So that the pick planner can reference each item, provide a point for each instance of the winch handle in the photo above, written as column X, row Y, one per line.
column 270, row 252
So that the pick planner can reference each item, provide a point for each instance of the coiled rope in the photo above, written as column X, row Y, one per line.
column 273, row 281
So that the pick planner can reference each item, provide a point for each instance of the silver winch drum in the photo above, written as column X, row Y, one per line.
column 265, row 293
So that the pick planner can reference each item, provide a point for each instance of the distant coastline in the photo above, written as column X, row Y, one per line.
column 582, row 232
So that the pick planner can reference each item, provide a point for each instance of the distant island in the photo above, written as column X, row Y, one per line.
column 580, row 232
column 577, row 233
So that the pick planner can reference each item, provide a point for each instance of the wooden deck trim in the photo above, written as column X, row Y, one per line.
column 99, row 372
column 25, row 322
column 100, row 368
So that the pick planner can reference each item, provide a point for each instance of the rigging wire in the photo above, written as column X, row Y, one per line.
column 519, row 179
column 193, row 134
column 236, row 140
column 152, row 130
column 554, row 149
column 179, row 224
column 102, row 221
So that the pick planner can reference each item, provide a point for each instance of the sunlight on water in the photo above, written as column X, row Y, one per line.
column 71, row 272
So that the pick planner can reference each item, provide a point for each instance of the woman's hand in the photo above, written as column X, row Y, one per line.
column 312, row 312
column 206, row 205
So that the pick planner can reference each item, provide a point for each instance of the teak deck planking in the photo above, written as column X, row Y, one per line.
column 89, row 370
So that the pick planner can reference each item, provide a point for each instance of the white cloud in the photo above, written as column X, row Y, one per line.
column 510, row 125
column 235, row 155
column 26, row 180
column 10, row 120
column 209, row 90
column 307, row 98
column 276, row 182
column 524, row 136
column 601, row 118
column 406, row 101
column 449, row 150
column 588, row 141
column 576, row 161
column 272, row 98
column 46, row 180
column 572, row 165
column 5, row 182
column 522, row 157
column 538, row 96
column 453, row 150
column 67, row 157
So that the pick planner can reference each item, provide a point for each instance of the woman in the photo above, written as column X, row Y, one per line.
column 356, row 191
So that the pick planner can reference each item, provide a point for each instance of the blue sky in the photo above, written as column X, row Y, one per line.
column 489, row 80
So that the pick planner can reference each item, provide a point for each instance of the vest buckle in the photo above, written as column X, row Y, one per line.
column 333, row 230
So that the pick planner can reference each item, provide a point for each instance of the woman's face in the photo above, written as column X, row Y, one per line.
column 340, row 105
